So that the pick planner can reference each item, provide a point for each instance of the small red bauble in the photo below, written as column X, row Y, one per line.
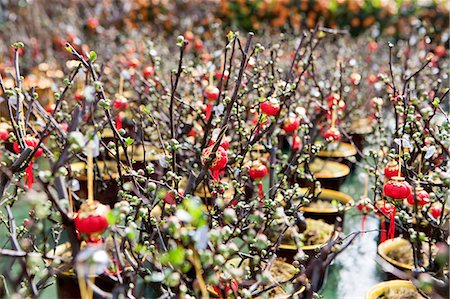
column 121, row 103
column 189, row 36
column 257, row 171
column 218, row 163
column 270, row 107
column 397, row 188
column 332, row 134
column 148, row 72
column 219, row 75
column 391, row 169
column 423, row 197
column 31, row 142
column 212, row 93
column 4, row 135
column 92, row 23
column 440, row 51
column 91, row 218
column 436, row 211
column 291, row 124
column 134, row 62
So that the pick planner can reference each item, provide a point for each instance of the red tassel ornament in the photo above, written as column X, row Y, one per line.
column 218, row 163
column 211, row 95
column 257, row 173
column 386, row 209
column 364, row 207
column 30, row 142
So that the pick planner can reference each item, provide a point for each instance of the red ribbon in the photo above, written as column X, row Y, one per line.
column 383, row 230
column 391, row 231
column 119, row 121
column 363, row 222
column 208, row 111
column 29, row 179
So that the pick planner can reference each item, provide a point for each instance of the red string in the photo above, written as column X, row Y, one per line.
column 29, row 179
column 260, row 190
column 208, row 111
column 119, row 124
column 363, row 222
column 383, row 230
column 391, row 232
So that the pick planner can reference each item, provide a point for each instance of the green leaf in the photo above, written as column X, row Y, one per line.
column 175, row 256
column 129, row 141
column 92, row 56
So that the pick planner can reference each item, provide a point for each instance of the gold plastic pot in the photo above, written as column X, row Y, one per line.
column 328, row 214
column 330, row 174
column 379, row 289
column 343, row 150
column 277, row 292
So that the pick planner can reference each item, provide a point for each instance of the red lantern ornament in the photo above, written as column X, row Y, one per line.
column 385, row 209
column 121, row 104
column 364, row 207
column 211, row 95
column 436, row 211
column 218, row 163
column 148, row 72
column 271, row 106
column 397, row 188
column 91, row 221
column 257, row 173
column 30, row 142
column 392, row 169
column 422, row 196
column 291, row 124
column 4, row 135
column 332, row 134
column 92, row 24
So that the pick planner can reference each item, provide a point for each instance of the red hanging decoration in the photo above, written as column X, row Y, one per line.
column 170, row 198
column 211, row 94
column 364, row 207
column 391, row 170
column 257, row 173
column 121, row 103
column 296, row 143
column 91, row 221
column 291, row 124
column 4, row 135
column 218, row 163
column 385, row 209
column 397, row 188
column 334, row 99
column 30, row 142
column 119, row 124
column 271, row 106
column 423, row 197
column 332, row 134
column 148, row 72
column 436, row 211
